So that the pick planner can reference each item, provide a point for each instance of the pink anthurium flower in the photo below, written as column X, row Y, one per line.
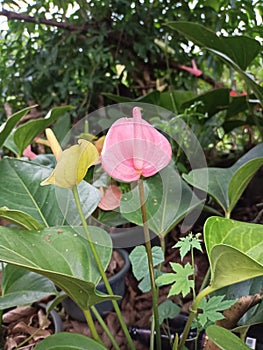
column 29, row 153
column 111, row 198
column 193, row 70
column 134, row 148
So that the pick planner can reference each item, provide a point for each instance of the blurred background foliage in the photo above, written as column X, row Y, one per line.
column 89, row 54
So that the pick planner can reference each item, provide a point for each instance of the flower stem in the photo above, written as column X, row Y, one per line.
column 104, row 327
column 91, row 325
column 101, row 269
column 150, row 265
column 192, row 314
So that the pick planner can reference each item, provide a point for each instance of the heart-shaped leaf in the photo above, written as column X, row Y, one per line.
column 20, row 218
column 49, row 205
column 234, row 250
column 7, row 127
column 63, row 255
column 168, row 201
column 68, row 341
column 224, row 338
column 226, row 185
column 25, row 134
column 21, row 287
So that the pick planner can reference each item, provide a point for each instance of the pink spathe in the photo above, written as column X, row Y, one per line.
column 134, row 148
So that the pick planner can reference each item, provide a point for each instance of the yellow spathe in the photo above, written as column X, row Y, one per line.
column 72, row 165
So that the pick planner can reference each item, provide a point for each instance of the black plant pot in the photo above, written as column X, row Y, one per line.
column 54, row 317
column 254, row 338
column 176, row 326
column 117, row 283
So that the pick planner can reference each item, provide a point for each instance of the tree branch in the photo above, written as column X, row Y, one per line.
column 21, row 17
column 84, row 29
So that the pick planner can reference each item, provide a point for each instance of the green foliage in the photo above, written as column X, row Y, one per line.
column 168, row 201
column 52, row 253
column 74, row 57
column 168, row 309
column 69, row 341
column 187, row 244
column 20, row 218
column 21, row 287
column 41, row 202
column 139, row 262
column 234, row 251
column 211, row 310
column 224, row 338
column 226, row 185
column 180, row 279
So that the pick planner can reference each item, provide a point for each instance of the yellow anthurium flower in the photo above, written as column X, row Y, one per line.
column 72, row 165
column 53, row 143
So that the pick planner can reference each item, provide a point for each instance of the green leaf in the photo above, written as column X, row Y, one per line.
column 226, row 185
column 25, row 134
column 21, row 287
column 49, row 205
column 20, row 218
column 139, row 261
column 63, row 255
column 7, row 128
column 145, row 284
column 186, row 244
column 241, row 179
column 68, row 341
column 212, row 309
column 234, row 250
column 168, row 201
column 213, row 101
column 181, row 283
column 224, row 338
column 168, row 309
column 240, row 49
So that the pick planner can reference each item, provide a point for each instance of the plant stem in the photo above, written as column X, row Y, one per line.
column 91, row 325
column 192, row 314
column 150, row 265
column 101, row 269
column 104, row 327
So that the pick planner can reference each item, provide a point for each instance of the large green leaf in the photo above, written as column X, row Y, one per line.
column 21, row 287
column 226, row 185
column 240, row 49
column 68, row 341
column 25, row 134
column 235, row 250
column 7, row 127
column 238, row 52
column 63, row 255
column 168, row 201
column 224, row 338
column 20, row 190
